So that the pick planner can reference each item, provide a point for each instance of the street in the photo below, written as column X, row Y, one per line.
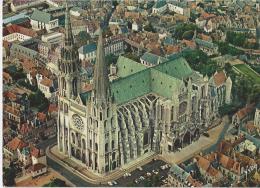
column 79, row 182
column 153, row 165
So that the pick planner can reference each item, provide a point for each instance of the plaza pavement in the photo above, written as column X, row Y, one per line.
column 178, row 157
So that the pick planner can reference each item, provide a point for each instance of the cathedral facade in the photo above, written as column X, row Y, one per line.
column 132, row 111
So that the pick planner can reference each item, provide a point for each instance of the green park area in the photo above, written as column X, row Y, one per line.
column 247, row 71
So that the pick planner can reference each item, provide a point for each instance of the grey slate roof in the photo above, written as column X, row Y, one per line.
column 152, row 58
column 41, row 16
column 87, row 48
column 179, row 172
column 205, row 43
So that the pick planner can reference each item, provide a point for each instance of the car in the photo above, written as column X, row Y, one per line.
column 140, row 168
column 155, row 172
column 114, row 182
column 163, row 167
column 127, row 175
column 110, row 183
column 161, row 177
column 141, row 178
column 137, row 181
column 148, row 174
column 167, row 166
column 206, row 134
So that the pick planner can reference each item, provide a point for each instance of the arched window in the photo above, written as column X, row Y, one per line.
column 66, row 108
column 145, row 138
column 74, row 83
column 83, row 144
column 73, row 138
column 113, row 144
column 100, row 115
column 106, row 147
column 182, row 108
column 61, row 105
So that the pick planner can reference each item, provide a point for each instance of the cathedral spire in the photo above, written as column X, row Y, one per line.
column 68, row 30
column 101, row 80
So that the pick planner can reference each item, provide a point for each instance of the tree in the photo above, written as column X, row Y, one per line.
column 132, row 56
column 82, row 38
column 237, row 39
column 9, row 176
column 56, row 183
column 188, row 35
column 149, row 28
column 224, row 48
column 182, row 28
column 111, row 59
column 38, row 100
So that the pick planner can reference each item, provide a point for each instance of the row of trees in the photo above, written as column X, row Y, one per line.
column 199, row 61
column 38, row 100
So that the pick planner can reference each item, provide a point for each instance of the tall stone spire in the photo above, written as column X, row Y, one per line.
column 101, row 80
column 68, row 30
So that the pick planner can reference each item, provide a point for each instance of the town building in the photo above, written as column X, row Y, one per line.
column 17, row 33
column 43, row 20
column 54, row 38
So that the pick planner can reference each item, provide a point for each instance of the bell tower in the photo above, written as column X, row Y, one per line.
column 69, row 83
column 103, row 116
column 69, row 64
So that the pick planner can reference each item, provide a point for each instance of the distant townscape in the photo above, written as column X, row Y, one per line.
column 131, row 93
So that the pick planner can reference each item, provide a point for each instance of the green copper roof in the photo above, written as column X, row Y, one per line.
column 163, row 79
column 85, row 96
column 127, row 66
column 163, row 84
column 131, row 87
column 160, row 4
column 178, row 68
column 41, row 16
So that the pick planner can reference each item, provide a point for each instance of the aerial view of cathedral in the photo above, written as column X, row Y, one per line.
column 131, row 93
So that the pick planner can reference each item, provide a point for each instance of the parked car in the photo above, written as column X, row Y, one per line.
column 127, row 174
column 206, row 134
column 140, row 168
column 155, row 172
column 148, row 174
column 110, row 183
column 114, row 182
column 141, row 178
column 137, row 181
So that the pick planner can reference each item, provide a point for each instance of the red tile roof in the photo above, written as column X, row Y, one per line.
column 18, row 29
column 11, row 110
column 41, row 116
column 10, row 95
column 202, row 162
column 15, row 144
column 245, row 111
column 46, row 82
column 25, row 128
column 53, row 108
column 219, row 78
column 6, row 76
column 35, row 152
column 37, row 167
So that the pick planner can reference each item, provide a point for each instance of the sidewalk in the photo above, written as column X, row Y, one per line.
column 83, row 172
column 194, row 148
column 186, row 153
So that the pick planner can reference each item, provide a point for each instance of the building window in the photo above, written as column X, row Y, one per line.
column 113, row 144
column 106, row 147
